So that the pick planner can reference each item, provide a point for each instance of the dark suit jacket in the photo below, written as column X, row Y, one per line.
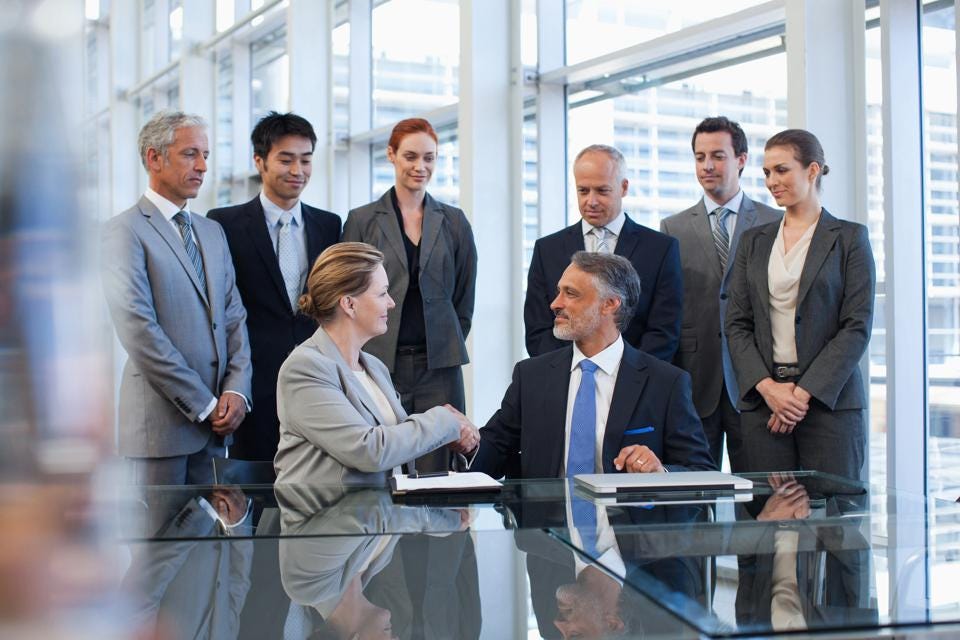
column 834, row 314
column 648, row 392
column 655, row 327
column 702, row 346
column 273, row 327
column 448, row 276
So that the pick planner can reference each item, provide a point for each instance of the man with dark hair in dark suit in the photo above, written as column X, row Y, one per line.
column 600, row 174
column 274, row 239
column 597, row 405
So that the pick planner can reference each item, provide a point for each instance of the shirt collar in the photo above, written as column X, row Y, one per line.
column 608, row 360
column 615, row 226
column 273, row 212
column 166, row 208
column 733, row 204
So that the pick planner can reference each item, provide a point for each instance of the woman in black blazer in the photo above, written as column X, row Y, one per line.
column 431, row 262
column 799, row 321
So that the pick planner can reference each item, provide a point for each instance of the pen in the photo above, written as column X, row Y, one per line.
column 436, row 474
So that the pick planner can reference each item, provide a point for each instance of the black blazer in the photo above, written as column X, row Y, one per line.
column 647, row 393
column 273, row 326
column 834, row 314
column 655, row 327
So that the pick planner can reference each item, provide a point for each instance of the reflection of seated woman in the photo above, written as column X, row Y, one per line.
column 340, row 418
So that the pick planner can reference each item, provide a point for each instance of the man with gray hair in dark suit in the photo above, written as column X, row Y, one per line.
column 171, row 290
column 708, row 233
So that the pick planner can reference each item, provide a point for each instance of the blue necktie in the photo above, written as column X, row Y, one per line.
column 581, row 457
column 182, row 219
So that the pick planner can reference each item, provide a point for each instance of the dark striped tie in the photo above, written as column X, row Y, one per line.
column 720, row 236
column 193, row 252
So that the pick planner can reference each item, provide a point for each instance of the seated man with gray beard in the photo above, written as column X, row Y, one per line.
column 598, row 405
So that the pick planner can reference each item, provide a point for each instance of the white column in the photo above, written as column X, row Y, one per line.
column 826, row 94
column 551, row 118
column 309, row 47
column 487, row 188
column 198, row 84
column 360, row 163
column 906, row 303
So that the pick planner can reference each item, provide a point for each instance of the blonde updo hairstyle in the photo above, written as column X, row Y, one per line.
column 344, row 269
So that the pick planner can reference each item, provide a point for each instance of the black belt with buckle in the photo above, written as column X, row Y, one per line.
column 786, row 371
column 411, row 350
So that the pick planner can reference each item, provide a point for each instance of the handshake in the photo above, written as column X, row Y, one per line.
column 469, row 434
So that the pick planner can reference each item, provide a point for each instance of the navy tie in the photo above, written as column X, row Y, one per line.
column 182, row 219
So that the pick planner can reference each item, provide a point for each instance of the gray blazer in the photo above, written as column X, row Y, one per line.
column 448, row 276
column 834, row 314
column 186, row 346
column 331, row 431
column 702, row 343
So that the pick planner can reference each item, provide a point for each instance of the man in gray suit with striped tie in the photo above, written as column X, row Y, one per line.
column 171, row 290
column 708, row 233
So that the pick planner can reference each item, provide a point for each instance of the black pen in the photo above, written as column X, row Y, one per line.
column 416, row 475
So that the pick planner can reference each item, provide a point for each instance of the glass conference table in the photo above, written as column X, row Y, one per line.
column 801, row 554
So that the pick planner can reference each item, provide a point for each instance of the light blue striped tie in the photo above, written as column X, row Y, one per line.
column 193, row 252
column 720, row 236
column 583, row 424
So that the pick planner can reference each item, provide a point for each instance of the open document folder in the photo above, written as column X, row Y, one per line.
column 443, row 483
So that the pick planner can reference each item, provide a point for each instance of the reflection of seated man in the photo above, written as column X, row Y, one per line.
column 195, row 587
column 620, row 408
column 334, row 568
column 777, row 586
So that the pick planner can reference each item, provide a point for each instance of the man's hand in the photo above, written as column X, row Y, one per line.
column 469, row 434
column 638, row 458
column 228, row 414
column 782, row 401
column 788, row 502
column 230, row 503
column 778, row 426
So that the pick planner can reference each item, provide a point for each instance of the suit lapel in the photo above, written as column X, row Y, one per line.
column 205, row 240
column 327, row 347
column 556, row 376
column 174, row 240
column 824, row 237
column 700, row 220
column 628, row 240
column 385, row 385
column 432, row 222
column 387, row 221
column 759, row 272
column 257, row 232
column 311, row 225
column 631, row 379
column 746, row 218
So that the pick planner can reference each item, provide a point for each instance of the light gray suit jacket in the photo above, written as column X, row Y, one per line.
column 834, row 315
column 702, row 342
column 448, row 276
column 330, row 429
column 186, row 346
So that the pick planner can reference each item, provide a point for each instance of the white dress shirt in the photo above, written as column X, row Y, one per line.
column 783, row 284
column 605, row 377
column 272, row 213
column 168, row 210
column 591, row 242
column 733, row 205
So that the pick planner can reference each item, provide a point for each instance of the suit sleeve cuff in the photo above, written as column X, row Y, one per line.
column 203, row 415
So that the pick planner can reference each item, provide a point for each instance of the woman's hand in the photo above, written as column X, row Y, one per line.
column 782, row 400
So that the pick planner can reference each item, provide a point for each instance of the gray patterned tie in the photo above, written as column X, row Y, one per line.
column 602, row 234
column 289, row 258
column 182, row 219
column 720, row 236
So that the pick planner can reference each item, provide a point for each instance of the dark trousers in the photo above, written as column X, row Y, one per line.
column 193, row 468
column 829, row 441
column 421, row 389
column 724, row 420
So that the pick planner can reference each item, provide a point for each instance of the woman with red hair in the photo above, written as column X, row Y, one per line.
column 431, row 262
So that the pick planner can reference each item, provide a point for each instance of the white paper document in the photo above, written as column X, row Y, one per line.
column 453, row 481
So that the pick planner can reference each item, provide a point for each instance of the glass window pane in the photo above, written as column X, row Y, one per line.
column 269, row 74
column 223, row 131
column 341, row 81
column 652, row 128
column 416, row 57
column 176, row 28
column 596, row 27
column 942, row 228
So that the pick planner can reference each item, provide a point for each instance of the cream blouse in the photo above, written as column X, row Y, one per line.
column 783, row 283
column 383, row 405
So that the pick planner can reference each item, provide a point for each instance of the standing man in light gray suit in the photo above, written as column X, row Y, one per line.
column 171, row 290
column 707, row 256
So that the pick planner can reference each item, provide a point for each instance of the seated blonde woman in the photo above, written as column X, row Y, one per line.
column 341, row 421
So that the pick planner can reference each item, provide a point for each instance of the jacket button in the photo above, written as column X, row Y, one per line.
column 723, row 296
column 213, row 364
column 214, row 326
column 720, row 334
column 798, row 319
